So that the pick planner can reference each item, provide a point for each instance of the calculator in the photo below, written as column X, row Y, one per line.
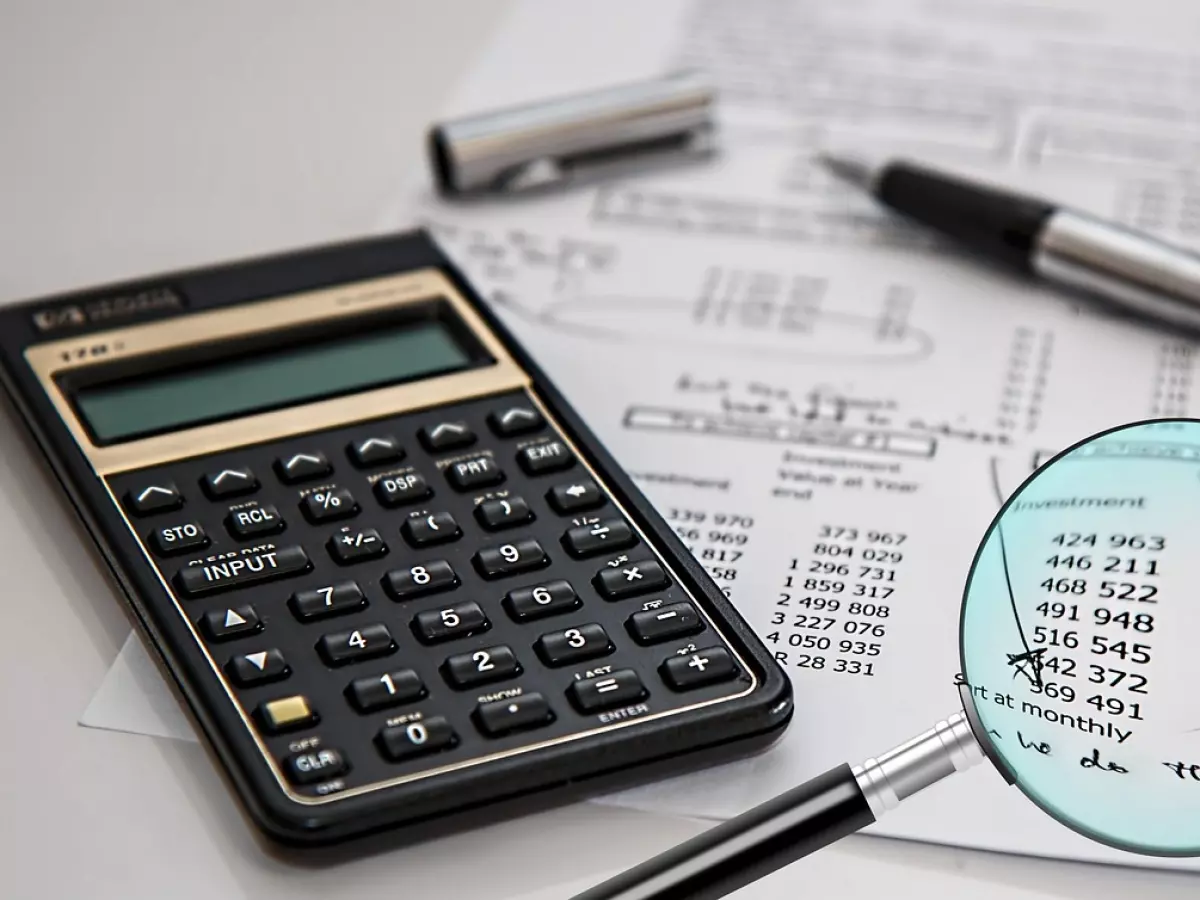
column 396, row 580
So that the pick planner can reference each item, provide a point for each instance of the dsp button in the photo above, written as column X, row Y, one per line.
column 551, row 456
column 229, row 483
column 315, row 766
column 172, row 540
column 401, row 490
column 254, row 521
column 630, row 579
column 478, row 472
column 262, row 667
column 154, row 498
column 607, row 691
column 671, row 621
column 418, row 738
column 250, row 568
column 302, row 467
column 599, row 537
column 515, row 420
column 436, row 528
column 446, row 436
column 375, row 451
column 709, row 666
column 525, row 711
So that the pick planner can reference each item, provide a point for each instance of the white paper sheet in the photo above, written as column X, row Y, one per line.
column 774, row 361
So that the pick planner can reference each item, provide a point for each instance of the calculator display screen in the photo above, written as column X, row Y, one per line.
column 268, row 378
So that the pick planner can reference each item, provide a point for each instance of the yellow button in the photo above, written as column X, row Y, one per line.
column 286, row 712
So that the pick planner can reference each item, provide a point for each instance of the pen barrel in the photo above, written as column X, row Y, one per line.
column 750, row 846
column 1132, row 271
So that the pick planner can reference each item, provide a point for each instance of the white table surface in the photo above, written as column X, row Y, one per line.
column 137, row 137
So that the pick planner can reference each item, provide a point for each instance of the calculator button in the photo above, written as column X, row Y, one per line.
column 599, row 537
column 561, row 648
column 402, row 490
column 302, row 467
column 515, row 714
column 424, row 531
column 481, row 667
column 315, row 766
column 329, row 505
column 323, row 602
column 229, row 483
column 351, row 547
column 670, row 621
column 383, row 691
column 477, row 472
column 446, row 436
column 238, row 571
column 607, row 691
column 171, row 540
column 375, row 451
column 416, row 738
column 508, row 559
column 351, row 646
column 550, row 599
column 227, row 624
column 630, row 579
column 416, row 581
column 154, row 498
column 254, row 521
column 460, row 620
column 709, row 666
column 515, row 420
column 286, row 713
column 508, row 512
column 551, row 456
column 250, row 669
column 575, row 496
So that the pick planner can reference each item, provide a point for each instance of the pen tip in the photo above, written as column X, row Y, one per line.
column 852, row 169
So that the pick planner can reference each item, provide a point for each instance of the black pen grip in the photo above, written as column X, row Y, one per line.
column 744, row 849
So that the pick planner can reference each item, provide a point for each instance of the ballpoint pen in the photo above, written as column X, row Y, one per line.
column 1134, row 272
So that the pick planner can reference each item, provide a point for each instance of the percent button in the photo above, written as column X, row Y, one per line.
column 329, row 505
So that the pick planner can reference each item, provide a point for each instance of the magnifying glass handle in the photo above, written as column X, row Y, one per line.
column 798, row 822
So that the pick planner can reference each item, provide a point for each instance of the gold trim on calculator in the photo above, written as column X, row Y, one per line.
column 50, row 360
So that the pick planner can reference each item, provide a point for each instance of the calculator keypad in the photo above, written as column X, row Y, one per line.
column 421, row 591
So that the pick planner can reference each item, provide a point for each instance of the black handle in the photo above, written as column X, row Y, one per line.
column 746, row 848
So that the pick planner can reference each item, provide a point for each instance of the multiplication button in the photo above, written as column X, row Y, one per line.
column 630, row 579
column 172, row 540
column 416, row 738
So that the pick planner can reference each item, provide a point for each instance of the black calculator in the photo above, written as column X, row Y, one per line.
column 394, row 577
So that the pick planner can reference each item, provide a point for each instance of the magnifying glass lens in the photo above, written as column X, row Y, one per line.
column 1081, row 638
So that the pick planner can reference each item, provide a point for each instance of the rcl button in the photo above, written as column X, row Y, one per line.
column 254, row 521
column 175, row 539
column 319, row 765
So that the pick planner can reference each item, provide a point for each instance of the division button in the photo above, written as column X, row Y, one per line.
column 250, row 669
column 345, row 647
column 154, row 498
column 324, row 602
column 460, row 620
column 709, row 666
column 238, row 571
column 630, row 579
column 315, row 766
column 506, row 512
column 575, row 496
column 471, row 474
column 302, row 467
column 516, row 714
column 446, row 436
column 229, row 483
column 430, row 577
column 254, row 521
column 386, row 690
column 603, row 692
column 286, row 713
column 481, row 667
column 402, row 490
column 551, row 456
column 375, row 451
column 350, row 547
column 329, row 505
column 561, row 648
column 509, row 559
column 550, row 599
column 416, row 738
column 599, row 537
column 234, row 622
column 436, row 528
column 671, row 621
column 515, row 420
column 172, row 540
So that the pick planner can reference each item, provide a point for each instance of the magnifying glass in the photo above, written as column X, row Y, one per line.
column 1080, row 681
